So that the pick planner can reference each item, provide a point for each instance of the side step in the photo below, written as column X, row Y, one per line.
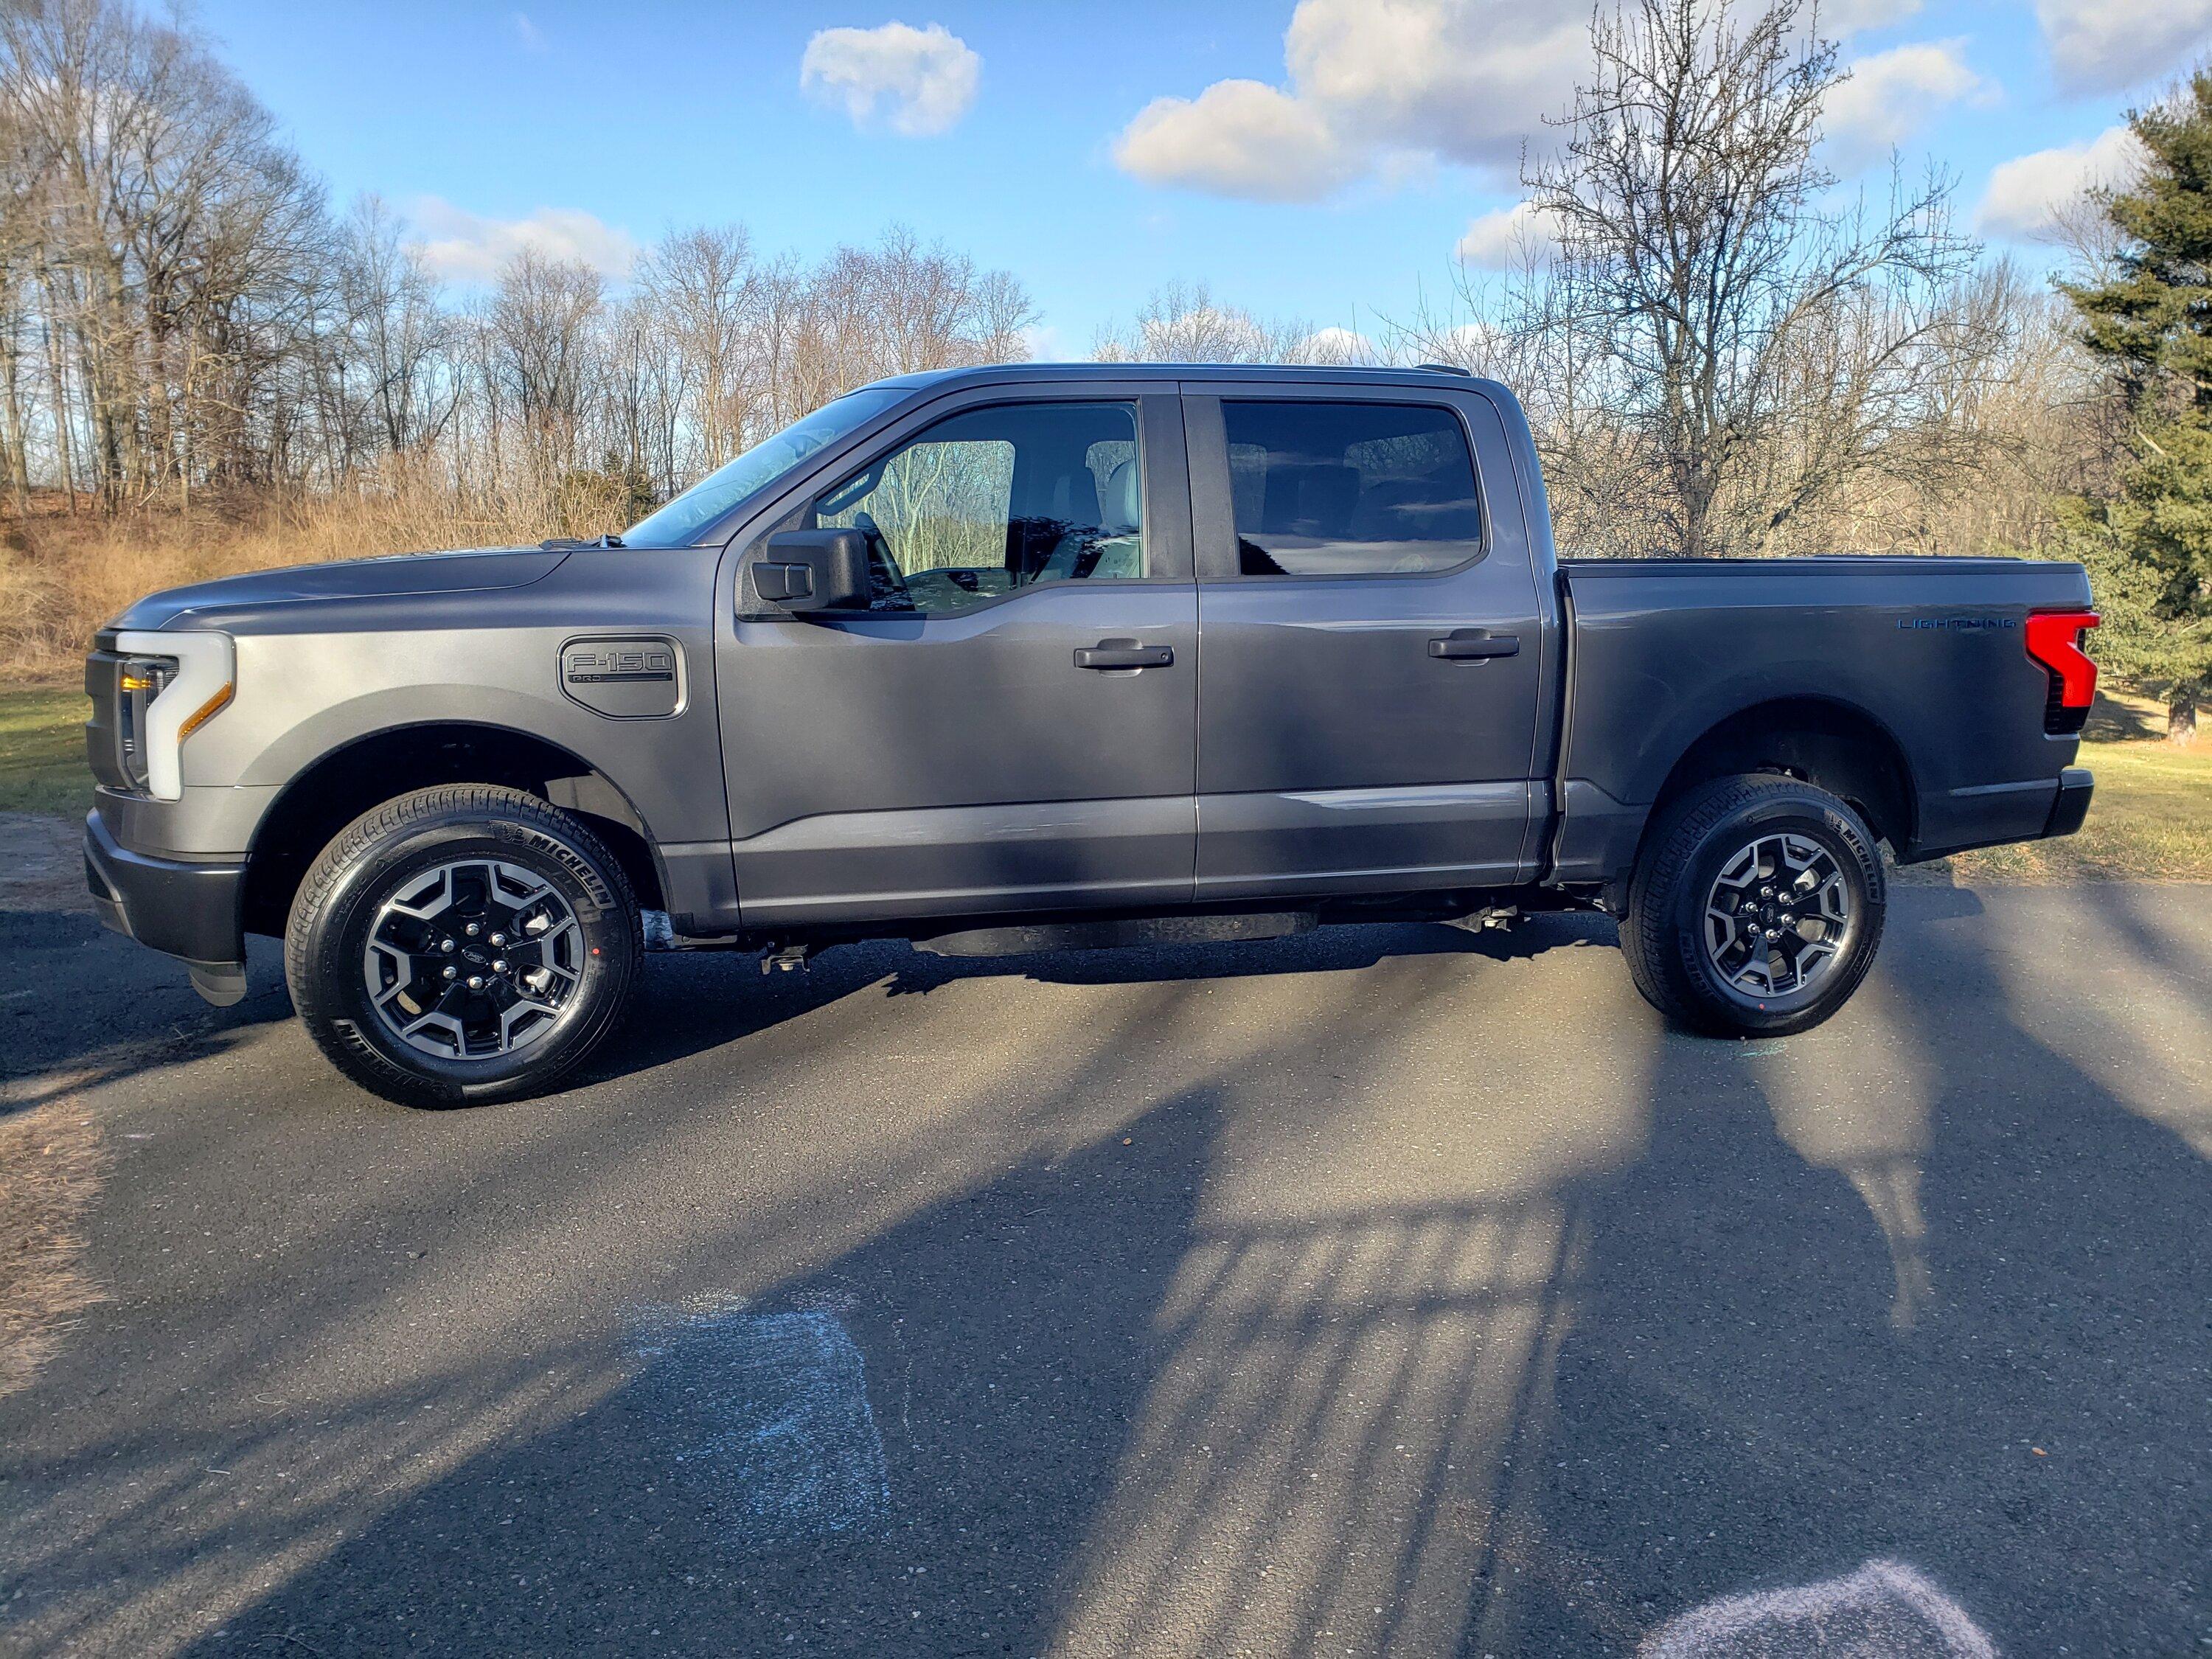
column 1116, row 932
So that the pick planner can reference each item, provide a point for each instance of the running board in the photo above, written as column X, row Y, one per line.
column 1117, row 932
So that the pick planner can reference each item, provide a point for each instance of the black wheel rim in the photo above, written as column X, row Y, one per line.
column 477, row 959
column 1778, row 916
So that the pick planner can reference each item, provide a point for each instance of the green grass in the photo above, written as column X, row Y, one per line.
column 2152, row 818
column 42, row 751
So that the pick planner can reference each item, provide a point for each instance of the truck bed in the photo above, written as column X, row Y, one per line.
column 1927, row 652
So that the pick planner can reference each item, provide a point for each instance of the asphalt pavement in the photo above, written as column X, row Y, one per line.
column 1389, row 1290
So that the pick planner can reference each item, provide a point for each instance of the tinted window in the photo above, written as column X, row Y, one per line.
column 1334, row 489
column 995, row 500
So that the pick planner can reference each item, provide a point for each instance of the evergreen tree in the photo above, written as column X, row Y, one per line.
column 2152, row 321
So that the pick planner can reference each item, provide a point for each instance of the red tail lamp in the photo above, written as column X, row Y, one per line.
column 2054, row 639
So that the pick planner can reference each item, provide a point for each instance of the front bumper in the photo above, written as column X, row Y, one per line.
column 2075, row 785
column 185, row 909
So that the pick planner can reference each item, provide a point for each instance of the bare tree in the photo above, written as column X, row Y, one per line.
column 700, row 295
column 177, row 245
column 1182, row 322
column 542, row 328
column 1756, row 349
column 398, row 334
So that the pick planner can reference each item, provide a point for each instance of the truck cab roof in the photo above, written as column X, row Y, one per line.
column 1259, row 373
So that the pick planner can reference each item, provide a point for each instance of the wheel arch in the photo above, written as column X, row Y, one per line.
column 346, row 781
column 1832, row 745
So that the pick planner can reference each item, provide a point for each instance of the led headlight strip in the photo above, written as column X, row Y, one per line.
column 205, row 677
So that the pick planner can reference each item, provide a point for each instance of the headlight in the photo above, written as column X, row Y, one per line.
column 172, row 685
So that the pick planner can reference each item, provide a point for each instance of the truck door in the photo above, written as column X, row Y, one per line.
column 1372, row 655
column 1012, row 723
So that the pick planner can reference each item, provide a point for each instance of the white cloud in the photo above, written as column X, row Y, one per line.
column 532, row 37
column 1893, row 95
column 2026, row 195
column 1336, row 347
column 1382, row 88
column 2109, row 45
column 1499, row 240
column 1236, row 138
column 1470, row 82
column 468, row 247
column 1374, row 85
column 926, row 77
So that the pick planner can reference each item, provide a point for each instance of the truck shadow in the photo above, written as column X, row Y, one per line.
column 692, row 1003
column 103, row 1009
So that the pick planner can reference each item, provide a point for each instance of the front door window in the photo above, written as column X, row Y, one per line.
column 992, row 500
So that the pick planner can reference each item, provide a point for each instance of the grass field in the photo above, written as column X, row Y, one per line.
column 2152, row 819
column 42, row 751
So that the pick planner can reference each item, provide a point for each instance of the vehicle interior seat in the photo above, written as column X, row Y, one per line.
column 1051, row 502
column 1110, row 546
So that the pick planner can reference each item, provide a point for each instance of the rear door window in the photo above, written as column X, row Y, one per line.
column 1350, row 488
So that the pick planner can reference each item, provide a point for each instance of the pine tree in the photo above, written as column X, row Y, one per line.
column 2152, row 322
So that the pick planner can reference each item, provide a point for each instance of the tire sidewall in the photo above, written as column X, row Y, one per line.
column 336, row 937
column 1818, row 818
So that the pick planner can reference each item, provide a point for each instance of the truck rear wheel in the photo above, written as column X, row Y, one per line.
column 461, row 945
column 1755, row 909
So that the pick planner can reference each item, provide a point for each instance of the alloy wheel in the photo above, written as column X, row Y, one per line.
column 474, row 959
column 1777, row 916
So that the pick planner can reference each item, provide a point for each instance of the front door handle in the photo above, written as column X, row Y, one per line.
column 1123, row 653
column 1462, row 643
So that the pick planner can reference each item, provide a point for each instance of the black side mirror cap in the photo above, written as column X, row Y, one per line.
column 807, row 570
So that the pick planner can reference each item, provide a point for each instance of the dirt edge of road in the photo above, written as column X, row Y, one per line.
column 51, row 1158
column 51, row 1155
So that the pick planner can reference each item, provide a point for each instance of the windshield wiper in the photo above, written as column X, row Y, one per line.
column 571, row 543
column 609, row 540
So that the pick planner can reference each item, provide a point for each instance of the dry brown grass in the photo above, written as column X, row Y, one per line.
column 63, row 575
column 51, row 1160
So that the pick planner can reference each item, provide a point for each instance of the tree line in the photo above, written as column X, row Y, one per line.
column 1721, row 350
column 182, row 311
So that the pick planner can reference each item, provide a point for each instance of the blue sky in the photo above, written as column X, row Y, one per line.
column 1325, row 160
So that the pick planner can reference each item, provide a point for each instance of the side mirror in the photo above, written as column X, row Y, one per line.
column 804, row 570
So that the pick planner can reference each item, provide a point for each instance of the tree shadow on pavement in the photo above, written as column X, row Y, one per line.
column 83, row 1006
column 1946, row 1308
column 737, row 1494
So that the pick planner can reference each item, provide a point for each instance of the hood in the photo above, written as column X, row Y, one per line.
column 471, row 571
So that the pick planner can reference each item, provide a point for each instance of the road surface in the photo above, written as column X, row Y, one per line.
column 1391, row 1289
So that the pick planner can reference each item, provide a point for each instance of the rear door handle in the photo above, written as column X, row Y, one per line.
column 1462, row 643
column 1123, row 653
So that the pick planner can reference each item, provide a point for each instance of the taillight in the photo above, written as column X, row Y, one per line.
column 2054, row 639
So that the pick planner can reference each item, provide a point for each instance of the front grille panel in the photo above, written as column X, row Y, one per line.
column 104, row 735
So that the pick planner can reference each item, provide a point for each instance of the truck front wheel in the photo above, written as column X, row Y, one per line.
column 463, row 943
column 1755, row 909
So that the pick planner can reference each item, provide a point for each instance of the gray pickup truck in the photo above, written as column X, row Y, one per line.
column 1016, row 659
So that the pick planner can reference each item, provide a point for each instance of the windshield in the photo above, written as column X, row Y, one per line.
column 675, row 524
